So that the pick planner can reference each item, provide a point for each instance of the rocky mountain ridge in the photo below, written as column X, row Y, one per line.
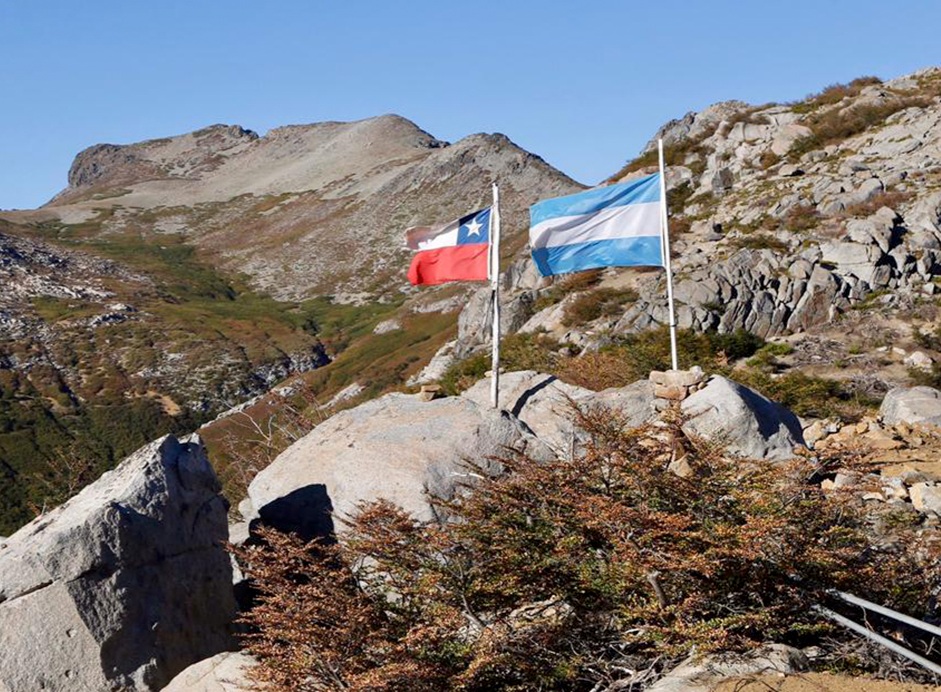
column 816, row 219
column 843, row 213
column 305, row 209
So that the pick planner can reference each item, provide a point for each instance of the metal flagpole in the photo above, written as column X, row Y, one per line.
column 665, row 234
column 495, row 291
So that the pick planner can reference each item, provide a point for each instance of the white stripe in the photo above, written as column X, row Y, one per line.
column 446, row 238
column 630, row 221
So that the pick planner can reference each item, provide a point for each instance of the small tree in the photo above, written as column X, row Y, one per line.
column 568, row 574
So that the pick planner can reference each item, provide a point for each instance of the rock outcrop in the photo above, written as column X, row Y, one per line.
column 745, row 422
column 911, row 405
column 125, row 584
column 546, row 405
column 407, row 450
column 788, row 216
column 396, row 447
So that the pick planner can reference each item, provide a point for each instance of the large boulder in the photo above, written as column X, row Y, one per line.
column 547, row 405
column 542, row 402
column 396, row 447
column 225, row 672
column 475, row 323
column 125, row 584
column 911, row 405
column 747, row 423
column 731, row 414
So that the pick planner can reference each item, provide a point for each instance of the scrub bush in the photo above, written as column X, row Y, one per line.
column 568, row 575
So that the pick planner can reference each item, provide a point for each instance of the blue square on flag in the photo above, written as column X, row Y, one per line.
column 474, row 228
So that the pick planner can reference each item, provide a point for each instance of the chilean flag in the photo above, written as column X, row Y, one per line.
column 456, row 251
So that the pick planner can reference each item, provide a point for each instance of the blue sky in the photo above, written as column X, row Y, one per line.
column 584, row 85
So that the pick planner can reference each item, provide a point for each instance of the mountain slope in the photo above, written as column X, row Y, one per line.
column 787, row 216
column 815, row 223
column 306, row 209
column 177, row 277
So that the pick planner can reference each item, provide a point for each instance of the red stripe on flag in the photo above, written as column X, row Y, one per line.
column 466, row 262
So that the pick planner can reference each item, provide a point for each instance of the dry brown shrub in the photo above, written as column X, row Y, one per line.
column 602, row 302
column 833, row 125
column 889, row 198
column 569, row 574
column 599, row 370
column 252, row 438
column 801, row 218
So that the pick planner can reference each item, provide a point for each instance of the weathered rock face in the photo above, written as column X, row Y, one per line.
column 124, row 585
column 911, row 405
column 778, row 238
column 747, row 423
column 545, row 404
column 112, row 164
column 396, row 447
column 519, row 286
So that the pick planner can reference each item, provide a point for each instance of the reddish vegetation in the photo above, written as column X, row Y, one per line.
column 566, row 574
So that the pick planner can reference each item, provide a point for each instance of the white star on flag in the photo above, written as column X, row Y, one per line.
column 473, row 228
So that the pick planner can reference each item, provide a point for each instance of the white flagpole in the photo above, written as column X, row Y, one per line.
column 495, row 291
column 665, row 233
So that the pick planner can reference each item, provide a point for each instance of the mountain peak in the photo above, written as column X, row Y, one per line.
column 258, row 202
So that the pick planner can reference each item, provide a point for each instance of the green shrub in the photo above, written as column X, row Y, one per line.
column 926, row 378
column 568, row 284
column 633, row 356
column 676, row 154
column 463, row 374
column 930, row 339
column 766, row 356
column 538, row 352
column 806, row 395
column 678, row 197
column 759, row 241
column 589, row 306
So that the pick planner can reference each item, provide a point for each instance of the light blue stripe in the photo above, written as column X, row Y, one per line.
column 634, row 192
column 643, row 251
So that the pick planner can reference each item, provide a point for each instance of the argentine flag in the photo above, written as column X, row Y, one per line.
column 613, row 226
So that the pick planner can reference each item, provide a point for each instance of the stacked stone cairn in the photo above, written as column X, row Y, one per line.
column 676, row 385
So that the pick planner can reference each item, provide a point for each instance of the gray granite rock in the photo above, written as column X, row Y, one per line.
column 747, row 423
column 546, row 405
column 225, row 672
column 125, row 584
column 911, row 405
column 396, row 447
